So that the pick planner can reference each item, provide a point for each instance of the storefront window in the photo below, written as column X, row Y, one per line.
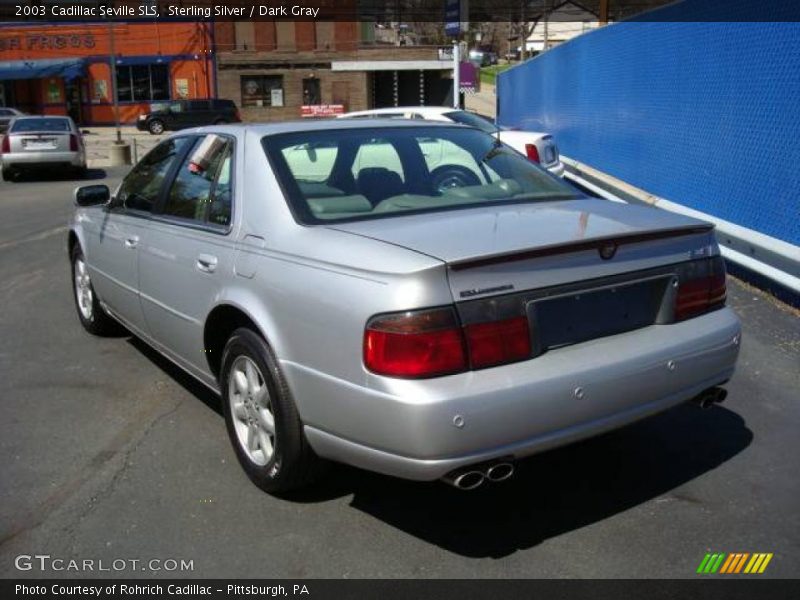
column 262, row 90
column 311, row 95
column 142, row 83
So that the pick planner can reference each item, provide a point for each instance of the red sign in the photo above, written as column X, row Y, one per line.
column 322, row 110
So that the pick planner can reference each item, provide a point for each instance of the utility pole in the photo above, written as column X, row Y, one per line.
column 114, row 94
column 523, row 30
column 546, row 22
column 603, row 12
column 456, row 74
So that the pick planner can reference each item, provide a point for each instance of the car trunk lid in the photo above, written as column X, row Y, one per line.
column 44, row 141
column 503, row 249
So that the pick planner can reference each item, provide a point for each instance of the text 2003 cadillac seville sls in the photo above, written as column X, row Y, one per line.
column 350, row 303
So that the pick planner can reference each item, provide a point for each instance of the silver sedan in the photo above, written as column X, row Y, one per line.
column 42, row 143
column 347, row 308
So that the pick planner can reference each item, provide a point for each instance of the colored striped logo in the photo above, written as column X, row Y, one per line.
column 737, row 562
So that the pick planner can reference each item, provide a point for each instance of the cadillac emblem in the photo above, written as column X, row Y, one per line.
column 607, row 251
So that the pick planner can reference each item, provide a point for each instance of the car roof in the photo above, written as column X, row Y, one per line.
column 423, row 110
column 313, row 125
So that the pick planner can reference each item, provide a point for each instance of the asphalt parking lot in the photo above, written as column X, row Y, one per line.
column 106, row 450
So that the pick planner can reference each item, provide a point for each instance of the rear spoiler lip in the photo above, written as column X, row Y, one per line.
column 594, row 243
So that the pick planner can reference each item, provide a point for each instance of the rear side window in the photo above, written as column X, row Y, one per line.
column 140, row 189
column 40, row 124
column 202, row 195
column 198, row 105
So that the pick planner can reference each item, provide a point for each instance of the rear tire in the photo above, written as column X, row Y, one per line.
column 155, row 127
column 9, row 175
column 91, row 314
column 261, row 417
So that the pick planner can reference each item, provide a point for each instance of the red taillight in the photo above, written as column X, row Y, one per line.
column 498, row 342
column 532, row 152
column 430, row 343
column 73, row 142
column 699, row 295
column 5, row 146
column 415, row 344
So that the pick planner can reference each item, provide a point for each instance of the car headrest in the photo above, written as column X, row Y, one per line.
column 377, row 183
column 339, row 204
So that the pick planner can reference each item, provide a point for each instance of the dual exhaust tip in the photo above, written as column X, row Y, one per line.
column 473, row 477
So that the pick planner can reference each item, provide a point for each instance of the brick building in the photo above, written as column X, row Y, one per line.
column 65, row 68
column 272, row 69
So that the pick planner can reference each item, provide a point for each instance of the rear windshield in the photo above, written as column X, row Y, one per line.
column 40, row 124
column 355, row 174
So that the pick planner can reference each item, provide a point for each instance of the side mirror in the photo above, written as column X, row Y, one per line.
column 91, row 195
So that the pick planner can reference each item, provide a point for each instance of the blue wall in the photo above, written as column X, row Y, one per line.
column 701, row 113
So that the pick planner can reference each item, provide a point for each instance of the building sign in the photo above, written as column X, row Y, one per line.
column 468, row 77
column 182, row 88
column 100, row 90
column 276, row 97
column 47, row 42
column 53, row 91
column 456, row 17
column 322, row 110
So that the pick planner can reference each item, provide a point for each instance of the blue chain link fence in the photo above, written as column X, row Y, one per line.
column 703, row 114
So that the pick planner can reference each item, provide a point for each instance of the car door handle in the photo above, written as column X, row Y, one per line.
column 132, row 242
column 207, row 263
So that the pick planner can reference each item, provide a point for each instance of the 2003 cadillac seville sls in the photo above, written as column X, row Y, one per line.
column 348, row 302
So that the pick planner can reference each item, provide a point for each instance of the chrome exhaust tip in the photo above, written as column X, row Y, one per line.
column 469, row 480
column 500, row 472
column 710, row 397
column 465, row 480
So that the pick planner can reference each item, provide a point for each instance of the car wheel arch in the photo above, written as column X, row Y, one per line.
column 221, row 322
column 75, row 239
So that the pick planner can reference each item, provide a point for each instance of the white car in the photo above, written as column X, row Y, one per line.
column 538, row 147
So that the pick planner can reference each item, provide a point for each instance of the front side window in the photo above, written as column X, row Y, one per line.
column 380, row 172
column 262, row 90
column 142, row 83
column 140, row 189
column 202, row 195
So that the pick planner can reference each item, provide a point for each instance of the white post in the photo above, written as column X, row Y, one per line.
column 456, row 75
column 114, row 91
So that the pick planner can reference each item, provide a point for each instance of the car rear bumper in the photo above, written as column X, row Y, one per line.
column 35, row 159
column 410, row 428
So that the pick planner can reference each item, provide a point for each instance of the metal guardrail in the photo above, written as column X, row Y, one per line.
column 769, row 257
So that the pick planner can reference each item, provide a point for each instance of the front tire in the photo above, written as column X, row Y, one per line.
column 261, row 417
column 91, row 314
column 155, row 127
